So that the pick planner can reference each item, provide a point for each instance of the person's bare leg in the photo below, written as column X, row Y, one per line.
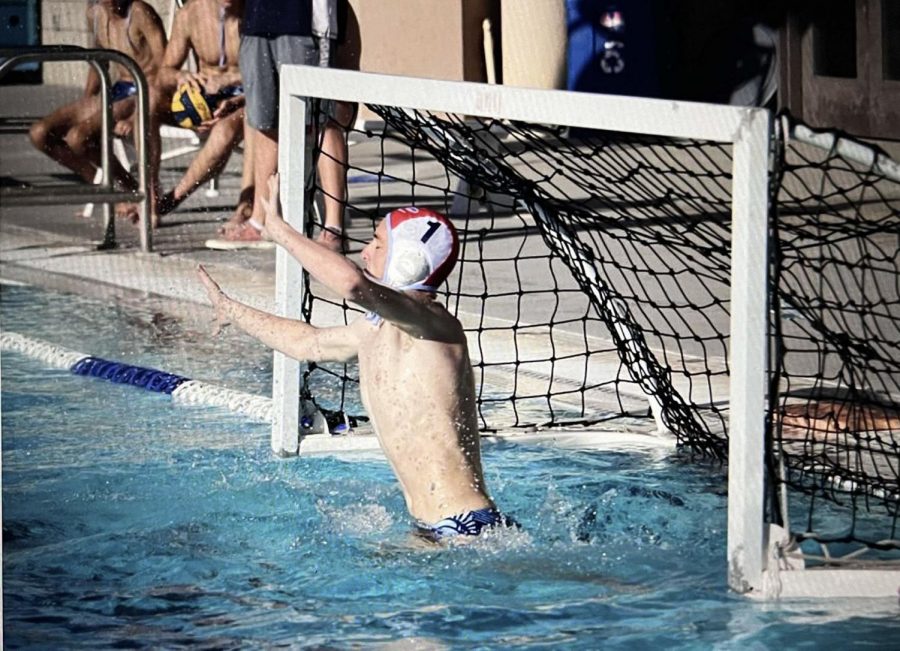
column 244, row 209
column 71, row 136
column 265, row 163
column 51, row 135
column 332, row 167
column 265, row 153
column 209, row 162
column 83, row 139
column 160, row 99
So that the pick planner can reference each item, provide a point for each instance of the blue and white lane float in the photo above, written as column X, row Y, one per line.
column 183, row 390
column 316, row 437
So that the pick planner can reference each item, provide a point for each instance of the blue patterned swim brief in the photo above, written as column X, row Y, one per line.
column 123, row 90
column 471, row 523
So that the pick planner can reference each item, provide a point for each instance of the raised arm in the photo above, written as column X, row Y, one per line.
column 155, row 34
column 178, row 48
column 337, row 272
column 293, row 338
column 146, row 39
column 345, row 278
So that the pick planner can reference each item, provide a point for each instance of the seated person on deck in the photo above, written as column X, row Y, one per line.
column 71, row 134
column 415, row 375
column 212, row 29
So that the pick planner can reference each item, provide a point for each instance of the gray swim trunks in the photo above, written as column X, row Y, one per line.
column 259, row 61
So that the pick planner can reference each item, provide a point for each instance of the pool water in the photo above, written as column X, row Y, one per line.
column 128, row 522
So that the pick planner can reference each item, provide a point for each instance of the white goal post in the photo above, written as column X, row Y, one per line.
column 747, row 130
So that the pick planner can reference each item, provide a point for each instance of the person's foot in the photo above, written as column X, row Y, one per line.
column 167, row 203
column 241, row 216
column 243, row 236
column 129, row 211
column 334, row 239
column 132, row 213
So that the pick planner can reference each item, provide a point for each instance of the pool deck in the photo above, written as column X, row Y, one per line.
column 54, row 246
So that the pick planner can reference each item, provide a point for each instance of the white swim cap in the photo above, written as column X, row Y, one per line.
column 422, row 249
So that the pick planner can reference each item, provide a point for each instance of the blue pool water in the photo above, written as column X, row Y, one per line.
column 128, row 522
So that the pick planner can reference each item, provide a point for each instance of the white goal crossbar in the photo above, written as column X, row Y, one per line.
column 749, row 132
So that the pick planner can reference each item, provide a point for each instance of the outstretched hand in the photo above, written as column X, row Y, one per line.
column 218, row 299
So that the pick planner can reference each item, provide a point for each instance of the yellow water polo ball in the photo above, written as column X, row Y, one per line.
column 190, row 107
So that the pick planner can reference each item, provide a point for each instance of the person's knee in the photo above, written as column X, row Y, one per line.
column 344, row 115
column 160, row 99
column 233, row 126
column 39, row 133
column 79, row 139
column 225, row 136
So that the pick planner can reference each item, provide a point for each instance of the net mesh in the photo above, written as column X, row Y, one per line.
column 594, row 283
column 836, row 340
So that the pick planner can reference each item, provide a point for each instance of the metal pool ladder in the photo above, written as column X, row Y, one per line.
column 103, row 192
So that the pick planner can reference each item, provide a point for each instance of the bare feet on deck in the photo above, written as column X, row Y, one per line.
column 242, row 236
column 241, row 215
column 167, row 204
column 131, row 212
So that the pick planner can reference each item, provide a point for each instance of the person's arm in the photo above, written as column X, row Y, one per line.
column 155, row 34
column 293, row 338
column 92, row 86
column 337, row 272
column 342, row 276
column 177, row 50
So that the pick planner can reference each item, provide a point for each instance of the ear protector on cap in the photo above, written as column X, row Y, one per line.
column 422, row 249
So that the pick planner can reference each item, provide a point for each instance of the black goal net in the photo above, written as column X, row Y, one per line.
column 594, row 283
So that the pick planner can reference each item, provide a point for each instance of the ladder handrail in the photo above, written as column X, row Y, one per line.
column 99, row 58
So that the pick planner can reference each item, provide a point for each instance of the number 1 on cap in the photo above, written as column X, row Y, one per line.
column 432, row 227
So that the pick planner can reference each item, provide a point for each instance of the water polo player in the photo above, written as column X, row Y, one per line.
column 209, row 99
column 71, row 134
column 415, row 375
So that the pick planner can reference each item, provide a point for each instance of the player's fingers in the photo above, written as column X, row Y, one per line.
column 207, row 280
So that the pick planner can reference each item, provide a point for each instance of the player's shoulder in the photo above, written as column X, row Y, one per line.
column 93, row 10
column 362, row 323
column 144, row 10
column 188, row 10
column 441, row 323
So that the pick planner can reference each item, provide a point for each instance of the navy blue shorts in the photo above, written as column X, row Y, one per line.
column 123, row 90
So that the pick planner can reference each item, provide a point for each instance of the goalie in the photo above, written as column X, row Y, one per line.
column 415, row 375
